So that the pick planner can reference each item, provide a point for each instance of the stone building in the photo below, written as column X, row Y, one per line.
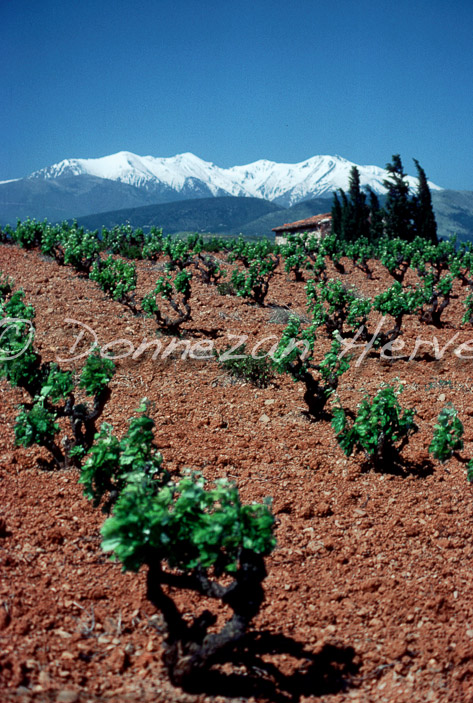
column 318, row 225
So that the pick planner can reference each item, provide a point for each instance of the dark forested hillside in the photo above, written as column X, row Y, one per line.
column 219, row 215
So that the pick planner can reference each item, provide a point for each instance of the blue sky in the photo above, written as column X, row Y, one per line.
column 234, row 82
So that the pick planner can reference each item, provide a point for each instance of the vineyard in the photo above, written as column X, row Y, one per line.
column 234, row 471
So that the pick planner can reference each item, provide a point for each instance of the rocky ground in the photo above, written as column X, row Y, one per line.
column 368, row 591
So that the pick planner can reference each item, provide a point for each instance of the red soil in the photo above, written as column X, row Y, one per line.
column 367, row 594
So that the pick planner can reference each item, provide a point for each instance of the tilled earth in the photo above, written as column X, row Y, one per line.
column 368, row 591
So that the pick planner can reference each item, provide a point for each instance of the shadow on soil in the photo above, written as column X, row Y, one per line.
column 329, row 671
column 403, row 468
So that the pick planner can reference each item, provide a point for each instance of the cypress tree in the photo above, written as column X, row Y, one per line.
column 344, row 234
column 398, row 207
column 350, row 212
column 424, row 219
column 357, row 224
column 336, row 216
column 376, row 217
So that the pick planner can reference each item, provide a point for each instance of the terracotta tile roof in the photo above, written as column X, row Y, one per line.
column 310, row 222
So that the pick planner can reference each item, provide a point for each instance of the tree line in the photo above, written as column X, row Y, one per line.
column 357, row 214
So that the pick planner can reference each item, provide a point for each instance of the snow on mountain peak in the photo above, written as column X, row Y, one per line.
column 317, row 176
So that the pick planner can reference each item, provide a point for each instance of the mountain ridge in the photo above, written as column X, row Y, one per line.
column 284, row 183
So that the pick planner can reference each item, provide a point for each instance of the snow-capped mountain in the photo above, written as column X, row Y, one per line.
column 176, row 172
column 189, row 175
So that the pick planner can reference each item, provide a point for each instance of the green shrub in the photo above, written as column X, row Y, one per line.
column 332, row 247
column 80, row 249
column 395, row 254
column 117, row 278
column 435, row 298
column 210, row 268
column 154, row 244
column 295, row 356
column 28, row 234
column 36, row 423
column 360, row 252
column 58, row 384
column 448, row 434
column 255, row 370
column 48, row 387
column 295, row 257
column 123, row 240
column 468, row 303
column 178, row 253
column 96, row 374
column 380, row 429
column 397, row 302
column 14, row 306
column 110, row 461
column 35, row 426
column 209, row 541
column 253, row 282
column 19, row 363
column 176, row 291
column 332, row 304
